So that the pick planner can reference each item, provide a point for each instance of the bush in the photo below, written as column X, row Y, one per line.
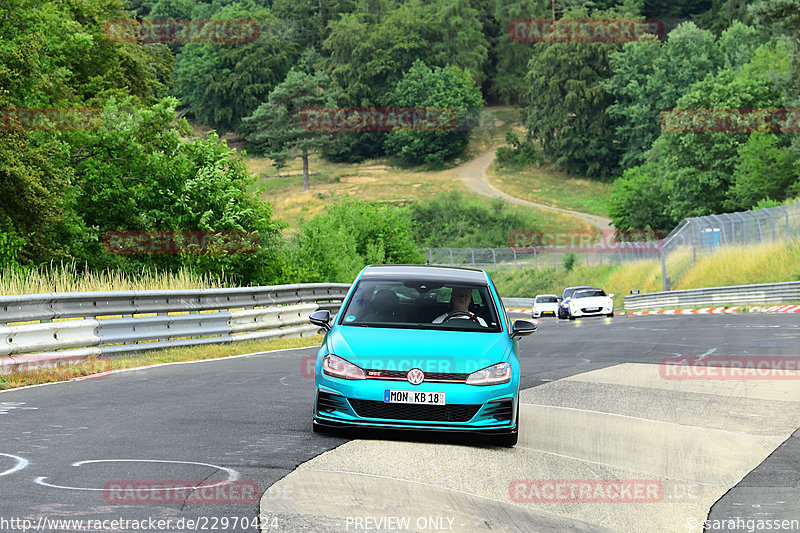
column 519, row 155
column 335, row 245
column 568, row 261
column 453, row 220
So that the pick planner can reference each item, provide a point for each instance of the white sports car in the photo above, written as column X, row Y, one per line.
column 591, row 302
column 545, row 305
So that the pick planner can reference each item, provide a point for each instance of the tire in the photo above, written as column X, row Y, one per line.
column 316, row 428
column 571, row 317
column 610, row 315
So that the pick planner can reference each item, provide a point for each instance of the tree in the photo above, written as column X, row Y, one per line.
column 509, row 85
column 223, row 83
column 696, row 173
column 140, row 173
column 648, row 78
column 440, row 88
column 276, row 128
column 565, row 106
column 765, row 170
column 639, row 200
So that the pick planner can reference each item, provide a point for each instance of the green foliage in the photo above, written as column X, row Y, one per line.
column 765, row 171
column 649, row 77
column 566, row 103
column 700, row 173
column 509, row 85
column 568, row 261
column 453, row 220
column 638, row 200
column 446, row 88
column 275, row 129
column 143, row 175
column 521, row 154
column 223, row 83
column 335, row 245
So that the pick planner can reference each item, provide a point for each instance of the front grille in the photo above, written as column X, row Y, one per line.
column 499, row 409
column 429, row 376
column 328, row 403
column 401, row 411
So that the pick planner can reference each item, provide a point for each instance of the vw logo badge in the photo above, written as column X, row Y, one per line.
column 415, row 376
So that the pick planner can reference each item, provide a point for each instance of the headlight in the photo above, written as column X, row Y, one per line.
column 335, row 366
column 493, row 375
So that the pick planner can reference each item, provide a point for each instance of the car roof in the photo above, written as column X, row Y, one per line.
column 579, row 287
column 556, row 295
column 425, row 272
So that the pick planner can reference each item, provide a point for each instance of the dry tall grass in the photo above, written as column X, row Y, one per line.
column 68, row 278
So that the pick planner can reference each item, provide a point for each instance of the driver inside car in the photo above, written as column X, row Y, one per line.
column 459, row 303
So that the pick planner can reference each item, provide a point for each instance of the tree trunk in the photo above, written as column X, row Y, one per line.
column 305, row 169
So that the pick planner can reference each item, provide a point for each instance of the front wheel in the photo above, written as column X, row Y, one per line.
column 610, row 315
column 571, row 317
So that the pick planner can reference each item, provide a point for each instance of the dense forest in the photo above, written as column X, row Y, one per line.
column 593, row 109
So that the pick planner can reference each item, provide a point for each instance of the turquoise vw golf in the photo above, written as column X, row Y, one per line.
column 423, row 348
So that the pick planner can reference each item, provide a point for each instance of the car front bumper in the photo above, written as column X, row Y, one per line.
column 359, row 403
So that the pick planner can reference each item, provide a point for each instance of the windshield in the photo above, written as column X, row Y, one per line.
column 421, row 305
column 546, row 299
column 589, row 293
column 569, row 292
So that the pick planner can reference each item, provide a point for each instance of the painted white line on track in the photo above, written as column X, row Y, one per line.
column 21, row 463
column 233, row 475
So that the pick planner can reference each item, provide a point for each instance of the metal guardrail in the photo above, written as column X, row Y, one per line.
column 768, row 293
column 40, row 330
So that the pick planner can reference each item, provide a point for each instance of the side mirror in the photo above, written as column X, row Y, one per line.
column 611, row 295
column 560, row 299
column 522, row 328
column 321, row 318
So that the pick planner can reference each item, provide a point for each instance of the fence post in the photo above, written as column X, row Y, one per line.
column 494, row 259
column 664, row 284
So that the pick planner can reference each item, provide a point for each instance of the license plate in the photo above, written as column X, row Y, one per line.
column 592, row 309
column 416, row 397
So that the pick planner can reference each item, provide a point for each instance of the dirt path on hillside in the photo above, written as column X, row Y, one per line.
column 473, row 175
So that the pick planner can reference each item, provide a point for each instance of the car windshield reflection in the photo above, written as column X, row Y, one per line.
column 421, row 305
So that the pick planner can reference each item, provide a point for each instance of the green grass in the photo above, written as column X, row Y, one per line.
column 98, row 365
column 547, row 186
column 380, row 180
column 764, row 263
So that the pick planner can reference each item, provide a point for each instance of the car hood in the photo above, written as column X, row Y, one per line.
column 429, row 350
column 594, row 301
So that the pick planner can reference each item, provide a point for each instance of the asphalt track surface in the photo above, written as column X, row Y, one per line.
column 249, row 419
